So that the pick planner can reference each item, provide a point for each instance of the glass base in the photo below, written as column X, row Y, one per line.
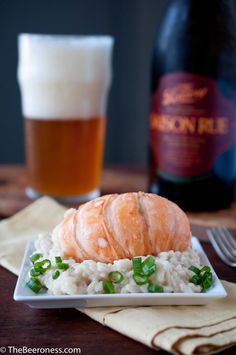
column 33, row 195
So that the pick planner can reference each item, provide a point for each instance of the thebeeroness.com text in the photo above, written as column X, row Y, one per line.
column 11, row 349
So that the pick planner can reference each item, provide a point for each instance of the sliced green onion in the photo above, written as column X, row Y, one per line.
column 205, row 269
column 145, row 268
column 60, row 264
column 194, row 269
column 137, row 265
column 35, row 285
column 202, row 277
column 34, row 273
column 56, row 274
column 63, row 266
column 206, row 280
column 140, row 279
column 116, row 277
column 42, row 266
column 196, row 280
column 108, row 287
column 148, row 266
column 155, row 288
column 58, row 259
column 35, row 257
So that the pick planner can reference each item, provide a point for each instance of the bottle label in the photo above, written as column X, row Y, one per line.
column 191, row 124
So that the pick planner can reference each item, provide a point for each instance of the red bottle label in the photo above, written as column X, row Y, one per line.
column 191, row 124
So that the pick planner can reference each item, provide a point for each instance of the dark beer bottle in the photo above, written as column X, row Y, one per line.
column 193, row 105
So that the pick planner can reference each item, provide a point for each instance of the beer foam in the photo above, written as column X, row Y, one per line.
column 64, row 76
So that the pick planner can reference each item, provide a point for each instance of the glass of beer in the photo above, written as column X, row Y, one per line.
column 64, row 82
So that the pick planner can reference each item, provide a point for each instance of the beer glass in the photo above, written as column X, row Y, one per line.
column 64, row 83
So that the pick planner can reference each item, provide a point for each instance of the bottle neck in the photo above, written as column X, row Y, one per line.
column 213, row 17
column 197, row 36
column 204, row 4
column 209, row 8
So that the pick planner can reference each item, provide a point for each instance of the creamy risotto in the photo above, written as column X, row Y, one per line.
column 171, row 273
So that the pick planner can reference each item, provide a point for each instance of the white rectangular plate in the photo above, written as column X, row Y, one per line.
column 43, row 300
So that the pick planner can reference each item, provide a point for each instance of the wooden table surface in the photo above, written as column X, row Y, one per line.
column 67, row 328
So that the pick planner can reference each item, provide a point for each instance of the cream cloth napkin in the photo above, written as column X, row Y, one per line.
column 177, row 329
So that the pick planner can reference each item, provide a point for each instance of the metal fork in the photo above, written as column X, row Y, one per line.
column 224, row 244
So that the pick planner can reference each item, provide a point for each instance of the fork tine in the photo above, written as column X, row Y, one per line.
column 224, row 247
column 227, row 239
column 215, row 245
column 230, row 237
column 218, row 247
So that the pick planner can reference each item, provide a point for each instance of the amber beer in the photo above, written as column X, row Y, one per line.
column 64, row 83
column 64, row 156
